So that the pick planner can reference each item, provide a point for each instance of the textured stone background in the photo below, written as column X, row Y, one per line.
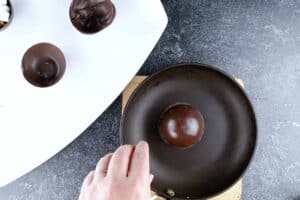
column 255, row 40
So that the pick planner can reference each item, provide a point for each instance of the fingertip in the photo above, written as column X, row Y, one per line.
column 102, row 167
column 89, row 178
column 109, row 154
column 125, row 147
column 104, row 157
column 142, row 145
column 90, row 174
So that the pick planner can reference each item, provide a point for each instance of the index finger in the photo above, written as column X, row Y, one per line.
column 139, row 166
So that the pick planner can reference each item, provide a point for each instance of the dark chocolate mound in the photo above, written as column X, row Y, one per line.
column 91, row 16
column 43, row 65
column 181, row 125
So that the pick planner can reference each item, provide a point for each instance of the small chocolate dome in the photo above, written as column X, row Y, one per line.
column 181, row 125
column 43, row 65
column 91, row 16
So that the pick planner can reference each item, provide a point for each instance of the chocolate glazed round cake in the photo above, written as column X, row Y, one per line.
column 91, row 16
column 43, row 65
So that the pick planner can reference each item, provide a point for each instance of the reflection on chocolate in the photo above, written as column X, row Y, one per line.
column 43, row 65
column 5, row 13
column 91, row 16
column 181, row 125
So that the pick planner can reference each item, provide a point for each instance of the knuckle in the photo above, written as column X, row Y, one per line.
column 111, row 184
column 135, row 181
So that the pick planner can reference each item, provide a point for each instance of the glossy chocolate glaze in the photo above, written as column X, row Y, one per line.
column 181, row 125
column 91, row 16
column 43, row 65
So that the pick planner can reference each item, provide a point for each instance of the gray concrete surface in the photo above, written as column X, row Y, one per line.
column 255, row 40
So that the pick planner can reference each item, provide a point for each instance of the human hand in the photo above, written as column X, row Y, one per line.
column 125, row 174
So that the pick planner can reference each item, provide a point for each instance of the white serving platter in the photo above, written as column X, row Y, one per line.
column 36, row 123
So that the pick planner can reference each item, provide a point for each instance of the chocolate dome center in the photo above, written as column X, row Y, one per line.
column 181, row 125
column 46, row 70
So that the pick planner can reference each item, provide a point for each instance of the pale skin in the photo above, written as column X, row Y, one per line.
column 124, row 174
